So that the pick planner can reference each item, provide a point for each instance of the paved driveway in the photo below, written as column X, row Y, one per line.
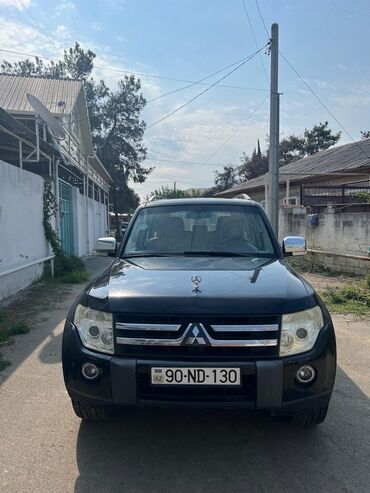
column 45, row 448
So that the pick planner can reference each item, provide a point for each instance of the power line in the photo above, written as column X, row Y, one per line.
column 324, row 105
column 262, row 19
column 40, row 28
column 255, row 39
column 139, row 74
column 205, row 90
column 185, row 163
column 197, row 82
column 236, row 131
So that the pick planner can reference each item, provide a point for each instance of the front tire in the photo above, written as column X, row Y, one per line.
column 309, row 417
column 91, row 413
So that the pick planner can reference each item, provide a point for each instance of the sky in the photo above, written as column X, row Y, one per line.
column 325, row 40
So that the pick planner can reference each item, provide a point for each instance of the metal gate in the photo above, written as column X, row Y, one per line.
column 66, row 217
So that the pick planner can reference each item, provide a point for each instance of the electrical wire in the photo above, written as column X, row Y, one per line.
column 139, row 74
column 205, row 90
column 262, row 19
column 255, row 39
column 199, row 81
column 185, row 163
column 323, row 104
column 236, row 131
column 40, row 28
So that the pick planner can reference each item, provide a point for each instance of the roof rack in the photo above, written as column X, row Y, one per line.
column 152, row 197
column 243, row 196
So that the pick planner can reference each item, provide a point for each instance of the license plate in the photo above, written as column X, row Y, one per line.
column 195, row 376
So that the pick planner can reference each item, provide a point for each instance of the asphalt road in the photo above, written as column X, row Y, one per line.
column 44, row 447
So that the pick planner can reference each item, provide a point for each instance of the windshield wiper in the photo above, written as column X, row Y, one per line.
column 215, row 253
column 138, row 255
column 199, row 253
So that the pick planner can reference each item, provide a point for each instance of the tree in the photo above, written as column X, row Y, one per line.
column 292, row 148
column 253, row 166
column 114, row 115
column 365, row 134
column 166, row 192
column 319, row 138
column 227, row 178
column 128, row 200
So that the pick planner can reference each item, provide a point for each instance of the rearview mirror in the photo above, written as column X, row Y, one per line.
column 294, row 245
column 106, row 246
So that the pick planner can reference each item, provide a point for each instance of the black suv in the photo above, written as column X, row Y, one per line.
column 200, row 309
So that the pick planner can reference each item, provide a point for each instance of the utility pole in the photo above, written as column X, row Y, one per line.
column 174, row 186
column 273, row 173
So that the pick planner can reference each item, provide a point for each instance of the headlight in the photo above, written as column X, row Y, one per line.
column 300, row 330
column 95, row 329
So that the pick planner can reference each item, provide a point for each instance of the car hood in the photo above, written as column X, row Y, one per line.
column 227, row 286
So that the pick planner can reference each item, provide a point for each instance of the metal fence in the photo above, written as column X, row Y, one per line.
column 320, row 196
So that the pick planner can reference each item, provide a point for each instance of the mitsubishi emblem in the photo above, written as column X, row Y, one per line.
column 197, row 335
column 196, row 281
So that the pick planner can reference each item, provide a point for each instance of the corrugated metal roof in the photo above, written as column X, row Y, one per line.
column 344, row 158
column 14, row 89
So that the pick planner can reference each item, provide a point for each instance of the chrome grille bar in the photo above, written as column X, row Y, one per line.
column 139, row 326
column 245, row 328
column 138, row 341
column 195, row 334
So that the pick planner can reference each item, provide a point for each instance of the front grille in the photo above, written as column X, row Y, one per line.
column 245, row 393
column 196, row 337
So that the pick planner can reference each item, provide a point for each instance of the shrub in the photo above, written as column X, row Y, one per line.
column 66, row 264
column 4, row 363
column 76, row 277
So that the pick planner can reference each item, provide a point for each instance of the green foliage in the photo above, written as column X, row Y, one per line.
column 253, row 166
column 114, row 117
column 368, row 282
column 308, row 263
column 18, row 328
column 363, row 197
column 227, row 178
column 68, row 268
column 319, row 138
column 292, row 148
column 4, row 363
column 49, row 211
column 127, row 199
column 350, row 299
column 166, row 192
column 8, row 328
column 76, row 277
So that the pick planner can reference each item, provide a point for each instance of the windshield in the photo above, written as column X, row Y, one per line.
column 199, row 230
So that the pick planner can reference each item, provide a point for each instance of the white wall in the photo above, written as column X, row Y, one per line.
column 97, row 213
column 22, row 238
column 97, row 222
column 338, row 232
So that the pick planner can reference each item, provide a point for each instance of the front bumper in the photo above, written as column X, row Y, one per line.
column 266, row 383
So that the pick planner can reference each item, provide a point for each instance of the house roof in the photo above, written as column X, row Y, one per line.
column 14, row 90
column 340, row 159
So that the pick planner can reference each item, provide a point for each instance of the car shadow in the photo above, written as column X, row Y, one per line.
column 166, row 450
column 46, row 323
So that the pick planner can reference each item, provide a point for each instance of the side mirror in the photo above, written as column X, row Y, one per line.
column 294, row 245
column 106, row 246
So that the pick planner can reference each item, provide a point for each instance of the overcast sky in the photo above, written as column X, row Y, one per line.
column 326, row 41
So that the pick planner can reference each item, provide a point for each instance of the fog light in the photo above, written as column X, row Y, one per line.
column 305, row 374
column 90, row 371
